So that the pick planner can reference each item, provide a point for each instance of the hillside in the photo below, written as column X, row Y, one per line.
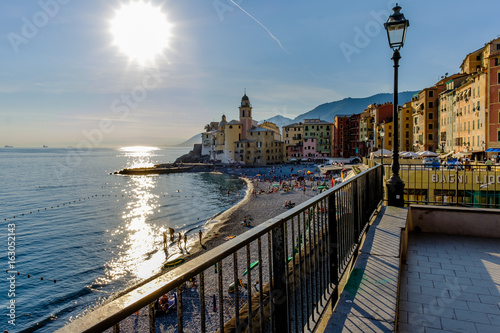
column 192, row 141
column 349, row 106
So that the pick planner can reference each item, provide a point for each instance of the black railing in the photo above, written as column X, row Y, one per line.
column 281, row 274
column 469, row 185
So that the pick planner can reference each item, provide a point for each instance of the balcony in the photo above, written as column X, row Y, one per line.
column 302, row 254
column 341, row 262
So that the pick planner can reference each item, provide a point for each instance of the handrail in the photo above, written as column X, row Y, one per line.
column 120, row 308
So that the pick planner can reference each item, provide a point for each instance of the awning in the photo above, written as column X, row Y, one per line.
column 493, row 150
column 446, row 155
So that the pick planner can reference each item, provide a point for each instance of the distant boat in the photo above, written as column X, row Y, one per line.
column 44, row 146
column 7, row 146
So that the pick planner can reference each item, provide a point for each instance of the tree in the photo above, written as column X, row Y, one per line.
column 207, row 128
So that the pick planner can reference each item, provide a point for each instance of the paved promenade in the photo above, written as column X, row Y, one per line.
column 450, row 284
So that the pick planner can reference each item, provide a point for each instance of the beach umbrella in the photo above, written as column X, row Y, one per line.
column 308, row 172
column 427, row 154
column 411, row 154
column 379, row 152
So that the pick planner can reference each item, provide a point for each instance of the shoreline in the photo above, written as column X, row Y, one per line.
column 259, row 208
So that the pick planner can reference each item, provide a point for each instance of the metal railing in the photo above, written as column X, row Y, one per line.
column 469, row 185
column 277, row 277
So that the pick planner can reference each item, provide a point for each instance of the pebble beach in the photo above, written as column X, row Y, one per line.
column 264, row 199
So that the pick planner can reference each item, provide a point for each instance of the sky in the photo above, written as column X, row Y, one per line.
column 66, row 80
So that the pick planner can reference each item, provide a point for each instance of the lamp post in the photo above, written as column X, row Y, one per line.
column 396, row 32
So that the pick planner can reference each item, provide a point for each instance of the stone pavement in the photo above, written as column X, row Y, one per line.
column 450, row 284
column 368, row 301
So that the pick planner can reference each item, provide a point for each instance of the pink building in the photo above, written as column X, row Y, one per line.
column 309, row 149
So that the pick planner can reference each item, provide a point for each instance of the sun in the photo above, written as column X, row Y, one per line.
column 141, row 31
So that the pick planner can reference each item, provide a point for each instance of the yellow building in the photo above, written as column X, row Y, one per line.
column 425, row 118
column 243, row 141
column 293, row 136
column 366, row 130
column 405, row 119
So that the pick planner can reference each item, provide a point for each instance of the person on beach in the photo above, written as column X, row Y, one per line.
column 200, row 234
column 185, row 240
column 172, row 232
column 164, row 302
column 180, row 240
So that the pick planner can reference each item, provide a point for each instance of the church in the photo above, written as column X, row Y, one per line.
column 243, row 141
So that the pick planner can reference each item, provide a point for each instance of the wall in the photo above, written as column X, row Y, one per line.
column 479, row 222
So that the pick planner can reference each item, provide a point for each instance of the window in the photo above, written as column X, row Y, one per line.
column 498, row 136
column 431, row 115
column 407, row 125
column 478, row 57
column 431, row 105
column 498, row 46
column 407, row 134
column 431, row 93
column 498, row 77
column 430, row 137
column 430, row 126
column 496, row 60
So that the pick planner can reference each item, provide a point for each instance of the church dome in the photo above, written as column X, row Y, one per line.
column 245, row 98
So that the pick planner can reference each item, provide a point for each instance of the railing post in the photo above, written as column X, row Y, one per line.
column 180, row 311
column 355, row 208
column 152, row 325
column 279, row 295
column 333, row 248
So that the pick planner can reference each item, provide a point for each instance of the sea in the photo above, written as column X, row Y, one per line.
column 75, row 233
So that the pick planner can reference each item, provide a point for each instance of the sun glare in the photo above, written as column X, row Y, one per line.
column 141, row 31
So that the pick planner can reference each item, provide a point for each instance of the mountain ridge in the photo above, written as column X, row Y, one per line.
column 327, row 111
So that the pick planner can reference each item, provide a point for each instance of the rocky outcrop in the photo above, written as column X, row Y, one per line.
column 194, row 156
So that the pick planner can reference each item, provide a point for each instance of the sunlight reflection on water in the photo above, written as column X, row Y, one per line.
column 140, row 254
column 140, row 156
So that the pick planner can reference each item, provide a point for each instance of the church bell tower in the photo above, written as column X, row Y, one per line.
column 245, row 115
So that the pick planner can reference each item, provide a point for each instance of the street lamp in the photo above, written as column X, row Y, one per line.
column 396, row 32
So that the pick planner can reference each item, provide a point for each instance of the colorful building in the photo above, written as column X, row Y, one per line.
column 405, row 119
column 318, row 138
column 346, row 136
column 243, row 141
column 293, row 136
